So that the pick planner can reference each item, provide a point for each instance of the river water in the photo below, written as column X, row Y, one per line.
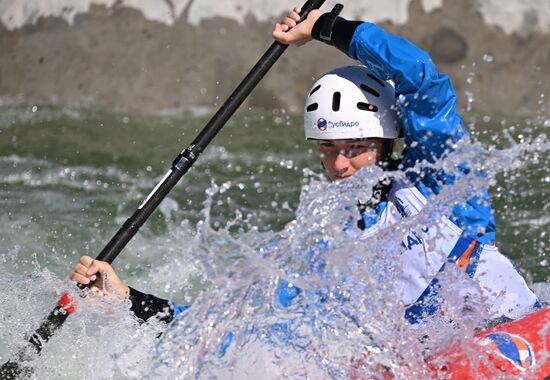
column 70, row 176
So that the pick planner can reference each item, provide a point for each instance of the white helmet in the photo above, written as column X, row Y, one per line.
column 351, row 103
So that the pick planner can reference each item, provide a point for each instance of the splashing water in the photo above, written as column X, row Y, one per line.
column 237, row 329
column 218, row 255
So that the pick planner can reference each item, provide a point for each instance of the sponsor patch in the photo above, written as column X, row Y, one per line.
column 511, row 347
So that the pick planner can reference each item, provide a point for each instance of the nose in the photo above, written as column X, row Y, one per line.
column 341, row 163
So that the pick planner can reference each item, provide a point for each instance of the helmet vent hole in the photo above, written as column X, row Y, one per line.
column 336, row 101
column 312, row 107
column 314, row 89
column 376, row 80
column 370, row 90
column 367, row 107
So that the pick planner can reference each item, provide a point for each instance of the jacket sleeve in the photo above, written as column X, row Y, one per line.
column 426, row 105
column 426, row 99
column 145, row 306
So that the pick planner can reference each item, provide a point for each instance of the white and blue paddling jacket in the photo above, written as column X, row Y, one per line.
column 431, row 125
column 429, row 250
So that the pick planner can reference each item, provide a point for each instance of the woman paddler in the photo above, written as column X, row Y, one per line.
column 354, row 114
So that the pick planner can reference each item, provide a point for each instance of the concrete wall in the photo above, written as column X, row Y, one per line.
column 155, row 55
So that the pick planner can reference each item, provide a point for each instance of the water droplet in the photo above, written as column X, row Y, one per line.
column 488, row 58
column 470, row 98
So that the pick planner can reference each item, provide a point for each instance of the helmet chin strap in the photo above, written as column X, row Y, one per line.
column 387, row 150
column 368, row 209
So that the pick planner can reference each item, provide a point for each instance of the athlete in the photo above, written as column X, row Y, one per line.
column 355, row 113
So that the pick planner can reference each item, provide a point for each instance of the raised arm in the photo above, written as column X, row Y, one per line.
column 426, row 98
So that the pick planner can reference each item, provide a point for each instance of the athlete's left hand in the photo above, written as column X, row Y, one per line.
column 290, row 32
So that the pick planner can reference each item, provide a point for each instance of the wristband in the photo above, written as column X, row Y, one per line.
column 334, row 31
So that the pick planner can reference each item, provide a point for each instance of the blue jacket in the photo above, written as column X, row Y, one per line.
column 428, row 115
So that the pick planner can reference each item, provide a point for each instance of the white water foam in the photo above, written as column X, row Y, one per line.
column 340, row 329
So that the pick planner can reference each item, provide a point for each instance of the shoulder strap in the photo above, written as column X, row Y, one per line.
column 380, row 193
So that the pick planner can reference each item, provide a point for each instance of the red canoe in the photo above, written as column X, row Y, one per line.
column 515, row 349
column 521, row 347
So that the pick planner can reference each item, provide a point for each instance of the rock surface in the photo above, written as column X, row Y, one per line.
column 115, row 57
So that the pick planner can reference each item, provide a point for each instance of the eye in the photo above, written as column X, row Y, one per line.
column 360, row 146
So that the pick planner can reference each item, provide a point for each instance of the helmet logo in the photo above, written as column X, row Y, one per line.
column 321, row 124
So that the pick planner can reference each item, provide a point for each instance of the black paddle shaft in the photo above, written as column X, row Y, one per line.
column 187, row 157
column 182, row 163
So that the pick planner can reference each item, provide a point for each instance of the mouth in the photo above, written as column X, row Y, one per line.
column 340, row 177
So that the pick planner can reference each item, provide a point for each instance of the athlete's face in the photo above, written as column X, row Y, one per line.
column 343, row 158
